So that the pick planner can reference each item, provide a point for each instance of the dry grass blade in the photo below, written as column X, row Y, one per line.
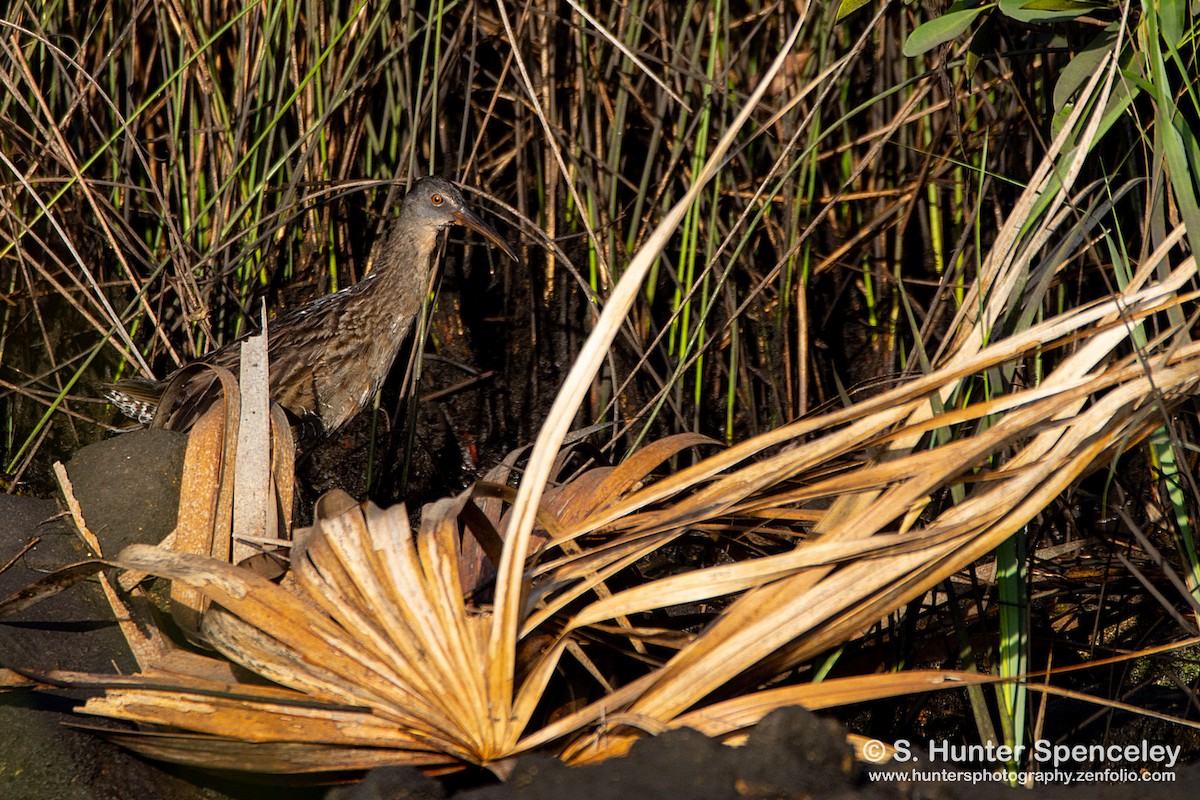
column 722, row 719
column 285, row 758
column 907, row 479
column 47, row 587
column 808, row 613
column 502, row 646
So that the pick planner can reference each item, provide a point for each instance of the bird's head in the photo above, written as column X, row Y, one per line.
column 438, row 203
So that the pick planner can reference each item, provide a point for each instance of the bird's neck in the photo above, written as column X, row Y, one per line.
column 400, row 267
column 388, row 300
column 404, row 248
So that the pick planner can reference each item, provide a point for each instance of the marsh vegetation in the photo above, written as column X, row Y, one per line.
column 881, row 326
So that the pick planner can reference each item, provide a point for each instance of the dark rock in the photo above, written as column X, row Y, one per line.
column 128, row 486
column 40, row 759
column 128, row 489
column 72, row 630
column 793, row 748
column 793, row 754
column 391, row 783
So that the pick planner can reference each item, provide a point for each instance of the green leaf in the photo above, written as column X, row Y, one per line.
column 1083, row 66
column 1072, row 6
column 848, row 7
column 1047, row 10
column 1171, row 16
column 948, row 26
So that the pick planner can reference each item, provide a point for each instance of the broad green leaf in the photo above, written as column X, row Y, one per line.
column 1065, row 6
column 1083, row 66
column 948, row 26
column 1047, row 10
column 848, row 7
column 1171, row 16
column 1173, row 136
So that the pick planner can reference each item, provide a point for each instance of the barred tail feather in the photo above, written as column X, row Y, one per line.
column 135, row 398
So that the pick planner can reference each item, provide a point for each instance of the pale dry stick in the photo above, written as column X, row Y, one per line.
column 253, row 500
column 545, row 21
column 506, row 623
column 146, row 642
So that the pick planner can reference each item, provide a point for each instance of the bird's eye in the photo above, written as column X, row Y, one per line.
column 436, row 199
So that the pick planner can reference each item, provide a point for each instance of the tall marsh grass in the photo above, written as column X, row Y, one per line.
column 956, row 242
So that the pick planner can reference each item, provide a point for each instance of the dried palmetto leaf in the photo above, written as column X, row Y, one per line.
column 376, row 646
column 378, row 658
column 234, row 507
column 373, row 643
column 205, row 515
column 378, row 651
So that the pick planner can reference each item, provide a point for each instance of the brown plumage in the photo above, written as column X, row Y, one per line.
column 328, row 358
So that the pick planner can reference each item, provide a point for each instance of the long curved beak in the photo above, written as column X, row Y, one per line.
column 469, row 220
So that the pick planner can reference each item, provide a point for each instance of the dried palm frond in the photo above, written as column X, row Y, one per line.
column 383, row 659
column 382, row 645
